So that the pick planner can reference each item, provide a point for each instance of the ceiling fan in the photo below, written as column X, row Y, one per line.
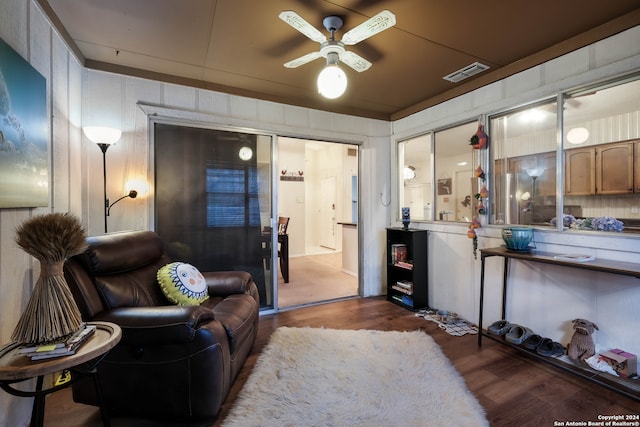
column 334, row 50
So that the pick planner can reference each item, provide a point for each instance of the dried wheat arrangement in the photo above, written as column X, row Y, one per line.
column 51, row 312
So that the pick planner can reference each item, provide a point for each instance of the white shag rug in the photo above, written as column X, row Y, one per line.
column 328, row 377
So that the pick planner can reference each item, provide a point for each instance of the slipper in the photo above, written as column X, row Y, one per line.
column 518, row 334
column 532, row 342
column 499, row 327
column 548, row 347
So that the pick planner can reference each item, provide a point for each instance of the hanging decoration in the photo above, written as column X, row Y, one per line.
column 479, row 139
column 483, row 194
column 471, row 233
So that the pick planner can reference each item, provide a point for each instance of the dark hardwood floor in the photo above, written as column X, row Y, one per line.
column 514, row 389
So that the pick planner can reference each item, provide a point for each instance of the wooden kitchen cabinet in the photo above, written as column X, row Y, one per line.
column 580, row 177
column 636, row 166
column 614, row 168
column 603, row 169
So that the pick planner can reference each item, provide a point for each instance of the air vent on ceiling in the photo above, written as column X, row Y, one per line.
column 466, row 72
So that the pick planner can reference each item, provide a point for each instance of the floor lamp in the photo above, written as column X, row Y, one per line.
column 534, row 173
column 104, row 137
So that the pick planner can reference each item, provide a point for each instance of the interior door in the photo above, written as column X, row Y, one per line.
column 213, row 200
column 328, row 212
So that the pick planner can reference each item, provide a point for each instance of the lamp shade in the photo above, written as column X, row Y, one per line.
column 102, row 135
column 332, row 82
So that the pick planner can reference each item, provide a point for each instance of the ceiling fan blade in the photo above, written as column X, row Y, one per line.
column 370, row 27
column 297, row 22
column 303, row 60
column 355, row 61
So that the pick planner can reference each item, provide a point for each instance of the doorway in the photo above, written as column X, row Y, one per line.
column 316, row 192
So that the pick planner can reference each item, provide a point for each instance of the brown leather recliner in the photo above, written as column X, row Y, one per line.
column 173, row 361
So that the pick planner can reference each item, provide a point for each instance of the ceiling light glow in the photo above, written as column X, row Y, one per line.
column 332, row 82
column 577, row 135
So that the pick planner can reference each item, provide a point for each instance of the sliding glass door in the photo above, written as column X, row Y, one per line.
column 213, row 200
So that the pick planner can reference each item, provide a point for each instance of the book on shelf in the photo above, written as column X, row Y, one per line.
column 62, row 348
column 405, row 284
column 404, row 264
column 398, row 252
column 403, row 290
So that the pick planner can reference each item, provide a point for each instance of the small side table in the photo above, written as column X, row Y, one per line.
column 15, row 367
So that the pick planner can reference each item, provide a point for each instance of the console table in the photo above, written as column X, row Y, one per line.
column 630, row 388
column 15, row 367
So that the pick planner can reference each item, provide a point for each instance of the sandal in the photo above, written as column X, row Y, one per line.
column 499, row 327
column 550, row 348
column 532, row 342
column 518, row 334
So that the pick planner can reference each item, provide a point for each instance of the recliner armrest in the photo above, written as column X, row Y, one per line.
column 223, row 283
column 157, row 325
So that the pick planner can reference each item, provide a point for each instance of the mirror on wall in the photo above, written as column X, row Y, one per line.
column 415, row 177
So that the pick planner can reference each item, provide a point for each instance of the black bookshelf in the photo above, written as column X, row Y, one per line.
column 407, row 283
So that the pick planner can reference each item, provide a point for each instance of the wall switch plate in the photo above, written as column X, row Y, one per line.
column 634, row 209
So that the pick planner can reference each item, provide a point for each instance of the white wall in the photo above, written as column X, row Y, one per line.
column 542, row 297
column 26, row 30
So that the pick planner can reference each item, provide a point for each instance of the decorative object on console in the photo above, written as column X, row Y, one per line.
column 567, row 220
column 602, row 223
column 51, row 312
column 182, row 284
column 406, row 217
column 517, row 238
column 581, row 345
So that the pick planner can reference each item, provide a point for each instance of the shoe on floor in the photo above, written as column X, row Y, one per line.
column 532, row 342
column 499, row 327
column 518, row 334
column 548, row 347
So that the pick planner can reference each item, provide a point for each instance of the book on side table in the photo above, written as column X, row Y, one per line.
column 61, row 348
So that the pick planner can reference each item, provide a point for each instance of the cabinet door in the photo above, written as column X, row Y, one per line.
column 580, row 177
column 614, row 168
column 636, row 166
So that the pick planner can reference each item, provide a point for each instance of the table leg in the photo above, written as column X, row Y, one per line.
column 481, row 300
column 505, row 274
column 37, row 411
column 103, row 409
column 284, row 257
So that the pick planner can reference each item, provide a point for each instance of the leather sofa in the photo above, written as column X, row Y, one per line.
column 172, row 361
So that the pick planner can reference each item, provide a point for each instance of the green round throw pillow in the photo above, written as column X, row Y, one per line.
column 182, row 283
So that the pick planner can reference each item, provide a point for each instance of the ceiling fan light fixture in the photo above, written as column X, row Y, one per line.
column 332, row 81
